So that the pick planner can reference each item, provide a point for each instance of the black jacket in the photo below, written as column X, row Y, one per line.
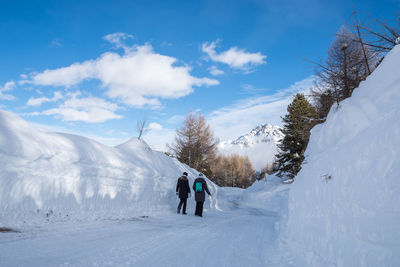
column 200, row 196
column 183, row 187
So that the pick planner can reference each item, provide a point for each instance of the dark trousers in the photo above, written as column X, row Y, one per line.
column 183, row 201
column 199, row 208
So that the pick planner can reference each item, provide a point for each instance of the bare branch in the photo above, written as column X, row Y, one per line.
column 141, row 127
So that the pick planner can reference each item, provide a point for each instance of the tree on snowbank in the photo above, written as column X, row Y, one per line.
column 195, row 144
column 352, row 57
column 298, row 122
column 348, row 63
column 141, row 127
column 381, row 35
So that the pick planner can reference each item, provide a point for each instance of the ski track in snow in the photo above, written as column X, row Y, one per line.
column 242, row 235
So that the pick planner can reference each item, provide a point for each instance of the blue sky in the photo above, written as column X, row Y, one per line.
column 95, row 68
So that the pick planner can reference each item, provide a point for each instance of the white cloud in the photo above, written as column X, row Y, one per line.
column 8, row 86
column 117, row 39
column 87, row 109
column 248, row 89
column 35, row 102
column 139, row 77
column 234, row 57
column 67, row 76
column 155, row 126
column 215, row 71
column 238, row 119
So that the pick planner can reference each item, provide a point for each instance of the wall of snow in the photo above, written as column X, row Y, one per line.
column 344, row 207
column 52, row 176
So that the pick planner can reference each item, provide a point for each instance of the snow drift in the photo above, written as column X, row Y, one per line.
column 47, row 176
column 344, row 205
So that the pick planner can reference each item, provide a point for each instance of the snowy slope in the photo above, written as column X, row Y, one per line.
column 244, row 234
column 344, row 205
column 66, row 177
column 260, row 145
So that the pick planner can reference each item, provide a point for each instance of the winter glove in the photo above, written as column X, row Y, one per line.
column 176, row 193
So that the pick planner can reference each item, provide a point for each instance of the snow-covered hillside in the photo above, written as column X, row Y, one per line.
column 61, row 176
column 344, row 205
column 260, row 145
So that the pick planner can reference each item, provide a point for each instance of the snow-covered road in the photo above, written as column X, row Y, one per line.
column 243, row 235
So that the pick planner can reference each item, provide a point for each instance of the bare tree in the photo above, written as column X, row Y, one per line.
column 383, row 37
column 348, row 64
column 232, row 170
column 359, row 39
column 354, row 55
column 379, row 35
column 141, row 127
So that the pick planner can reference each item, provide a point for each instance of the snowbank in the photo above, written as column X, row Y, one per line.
column 52, row 176
column 344, row 205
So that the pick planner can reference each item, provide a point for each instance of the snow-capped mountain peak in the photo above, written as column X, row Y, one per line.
column 261, row 134
column 260, row 145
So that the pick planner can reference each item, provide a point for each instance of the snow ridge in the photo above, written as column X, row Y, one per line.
column 61, row 176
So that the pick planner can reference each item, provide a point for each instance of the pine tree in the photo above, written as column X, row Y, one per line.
column 298, row 122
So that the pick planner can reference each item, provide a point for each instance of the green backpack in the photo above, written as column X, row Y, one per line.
column 199, row 186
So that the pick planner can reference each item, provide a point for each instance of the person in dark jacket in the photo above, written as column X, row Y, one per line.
column 199, row 186
column 183, row 189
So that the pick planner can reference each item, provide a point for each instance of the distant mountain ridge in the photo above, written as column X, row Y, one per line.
column 261, row 134
column 260, row 145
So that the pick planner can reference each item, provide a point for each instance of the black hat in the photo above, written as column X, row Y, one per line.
column 185, row 173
